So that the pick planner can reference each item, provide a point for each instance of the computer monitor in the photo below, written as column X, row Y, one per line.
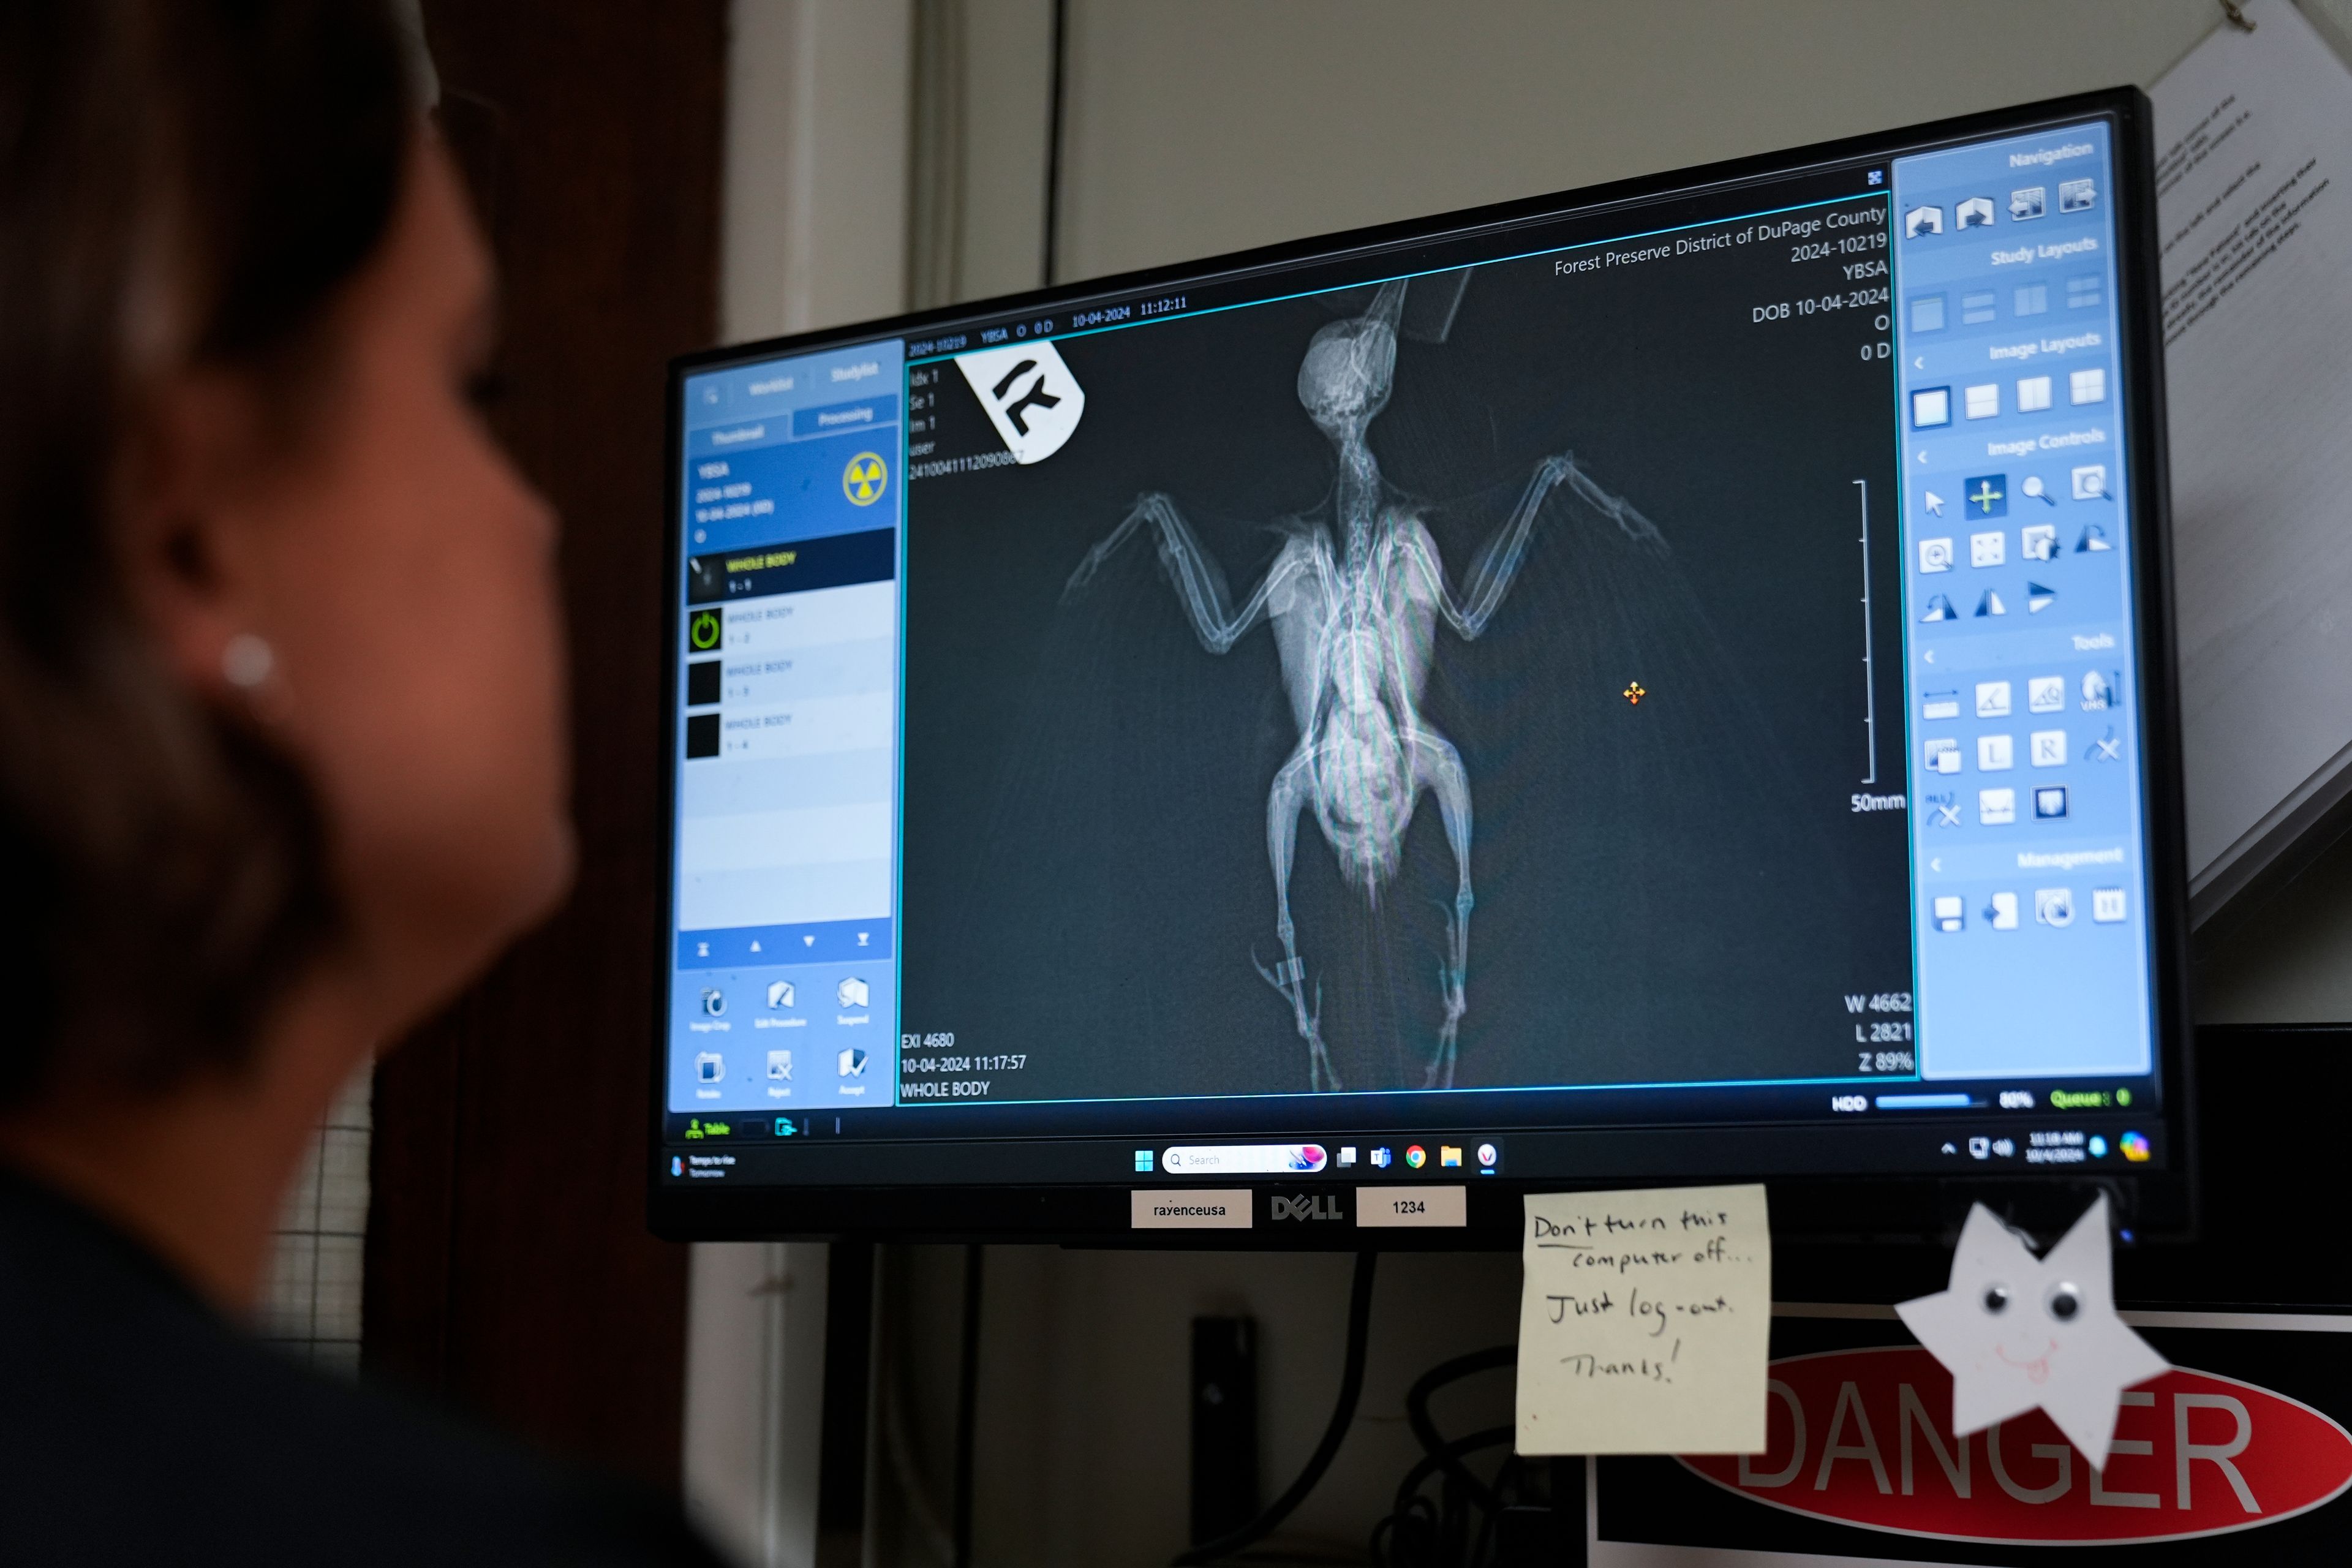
column 1663, row 683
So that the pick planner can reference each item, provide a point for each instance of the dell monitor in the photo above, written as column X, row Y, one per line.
column 1663, row 683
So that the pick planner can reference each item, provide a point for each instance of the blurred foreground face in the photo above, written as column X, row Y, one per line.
column 403, row 575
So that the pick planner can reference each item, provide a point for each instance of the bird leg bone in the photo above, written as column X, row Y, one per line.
column 1288, row 799
column 1437, row 767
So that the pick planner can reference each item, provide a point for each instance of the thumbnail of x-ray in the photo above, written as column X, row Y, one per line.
column 1447, row 685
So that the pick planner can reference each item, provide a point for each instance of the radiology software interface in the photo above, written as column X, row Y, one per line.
column 1669, row 661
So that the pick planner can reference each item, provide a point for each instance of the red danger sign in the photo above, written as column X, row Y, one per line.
column 1863, row 1438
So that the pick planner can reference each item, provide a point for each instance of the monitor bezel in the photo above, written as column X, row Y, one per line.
column 1866, row 1208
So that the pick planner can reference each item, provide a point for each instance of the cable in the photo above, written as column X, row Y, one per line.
column 1416, row 1413
column 1458, row 1527
column 1054, row 141
column 967, row 1403
column 1448, row 1456
column 1351, row 1386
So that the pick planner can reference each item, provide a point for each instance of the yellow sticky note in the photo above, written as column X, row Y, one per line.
column 1646, row 1322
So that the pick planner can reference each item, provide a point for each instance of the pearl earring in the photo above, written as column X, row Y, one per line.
column 247, row 661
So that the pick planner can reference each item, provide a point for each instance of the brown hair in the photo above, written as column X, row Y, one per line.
column 181, row 182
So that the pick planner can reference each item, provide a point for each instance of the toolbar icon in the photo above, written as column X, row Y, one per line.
column 780, row 994
column 852, row 991
column 2028, row 203
column 1921, row 221
column 1974, row 213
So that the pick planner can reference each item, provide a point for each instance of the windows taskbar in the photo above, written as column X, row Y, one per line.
column 805, row 1149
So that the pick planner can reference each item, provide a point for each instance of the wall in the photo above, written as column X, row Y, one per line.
column 1205, row 127
column 1216, row 125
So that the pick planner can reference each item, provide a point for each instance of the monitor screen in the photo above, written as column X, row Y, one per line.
column 1662, row 683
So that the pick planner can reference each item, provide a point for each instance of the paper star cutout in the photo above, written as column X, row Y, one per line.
column 2017, row 1332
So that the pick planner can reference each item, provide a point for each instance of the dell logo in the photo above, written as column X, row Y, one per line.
column 1324, row 1207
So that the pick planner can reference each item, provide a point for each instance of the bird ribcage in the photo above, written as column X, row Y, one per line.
column 1369, row 632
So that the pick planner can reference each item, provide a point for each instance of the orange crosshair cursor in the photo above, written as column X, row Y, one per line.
column 1635, row 693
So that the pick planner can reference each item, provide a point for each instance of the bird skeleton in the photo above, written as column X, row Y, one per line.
column 1354, row 621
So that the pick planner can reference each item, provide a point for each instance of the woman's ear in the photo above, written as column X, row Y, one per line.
column 186, row 531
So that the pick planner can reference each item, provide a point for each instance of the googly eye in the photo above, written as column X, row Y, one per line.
column 2062, row 1302
column 1996, row 1300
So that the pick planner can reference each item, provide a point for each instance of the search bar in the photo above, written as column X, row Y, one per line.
column 1241, row 1159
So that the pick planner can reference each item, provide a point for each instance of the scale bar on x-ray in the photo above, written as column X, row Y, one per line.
column 1869, row 679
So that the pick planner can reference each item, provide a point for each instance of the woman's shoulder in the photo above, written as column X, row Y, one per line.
column 139, row 1427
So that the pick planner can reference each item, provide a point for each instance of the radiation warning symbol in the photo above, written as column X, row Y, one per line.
column 862, row 480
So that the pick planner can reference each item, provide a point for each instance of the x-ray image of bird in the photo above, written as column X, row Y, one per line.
column 1388, row 814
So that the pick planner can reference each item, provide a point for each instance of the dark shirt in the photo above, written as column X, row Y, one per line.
column 138, row 1426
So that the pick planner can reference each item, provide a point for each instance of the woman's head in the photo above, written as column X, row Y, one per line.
column 280, row 689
